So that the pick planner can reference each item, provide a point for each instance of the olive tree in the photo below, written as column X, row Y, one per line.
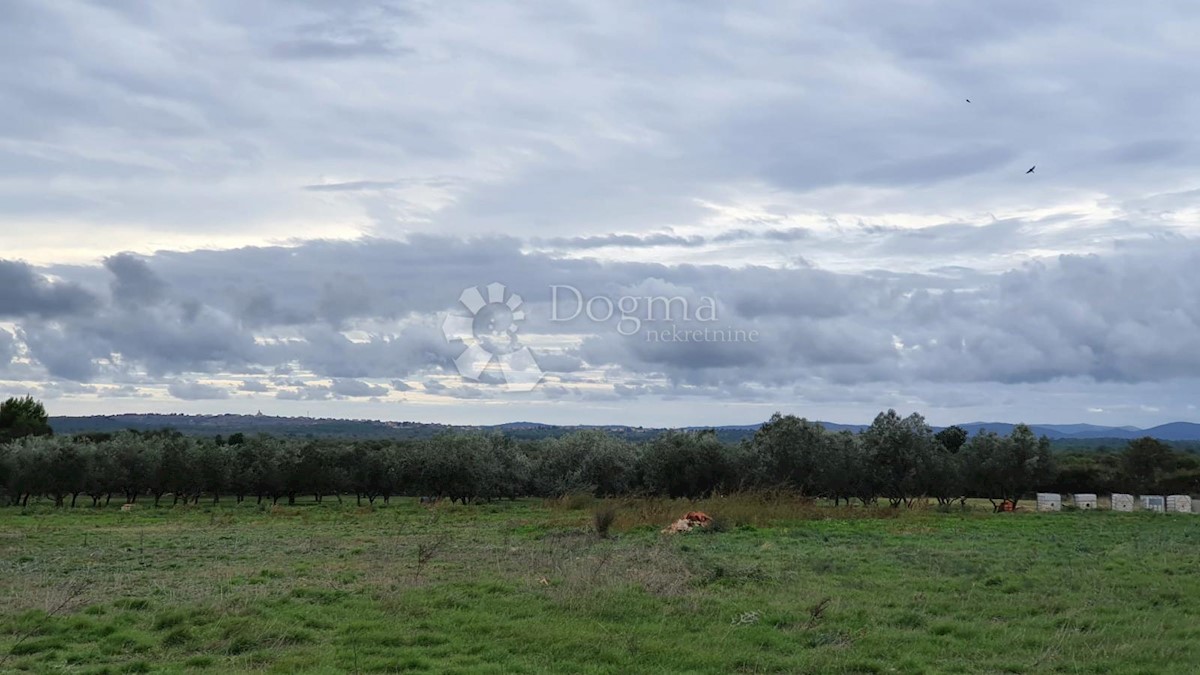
column 899, row 448
column 1007, row 467
column 792, row 452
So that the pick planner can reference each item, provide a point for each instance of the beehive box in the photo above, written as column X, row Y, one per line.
column 1084, row 502
column 1153, row 503
column 1122, row 502
column 1179, row 503
column 1049, row 501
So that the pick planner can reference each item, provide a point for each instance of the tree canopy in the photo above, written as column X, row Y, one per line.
column 897, row 459
column 21, row 417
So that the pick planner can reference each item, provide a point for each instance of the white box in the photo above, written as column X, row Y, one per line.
column 1179, row 504
column 1085, row 502
column 1121, row 502
column 1049, row 501
column 1153, row 503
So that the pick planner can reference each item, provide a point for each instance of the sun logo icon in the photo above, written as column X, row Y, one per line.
column 490, row 335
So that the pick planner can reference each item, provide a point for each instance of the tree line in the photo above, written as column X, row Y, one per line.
column 897, row 461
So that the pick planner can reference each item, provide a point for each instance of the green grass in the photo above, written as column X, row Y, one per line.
column 526, row 587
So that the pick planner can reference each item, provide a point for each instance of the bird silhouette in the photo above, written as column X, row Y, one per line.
column 1031, row 168
column 968, row 100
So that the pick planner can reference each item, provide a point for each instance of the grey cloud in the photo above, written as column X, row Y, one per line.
column 355, row 388
column 175, row 339
column 778, row 235
column 196, row 391
column 352, row 186
column 284, row 382
column 134, row 283
column 559, row 362
column 65, row 354
column 622, row 240
column 28, row 293
column 325, row 48
column 329, row 353
column 556, row 391
column 56, row 390
column 469, row 392
column 351, row 32
column 305, row 393
column 142, row 327
column 122, row 391
column 671, row 240
column 257, row 308
column 8, row 348
column 842, row 327
column 460, row 391
column 256, row 386
column 343, row 297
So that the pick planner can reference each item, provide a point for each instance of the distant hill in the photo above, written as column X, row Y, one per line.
column 1174, row 431
column 1079, row 435
column 305, row 427
column 1057, row 431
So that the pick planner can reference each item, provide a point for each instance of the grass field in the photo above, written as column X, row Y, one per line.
column 528, row 587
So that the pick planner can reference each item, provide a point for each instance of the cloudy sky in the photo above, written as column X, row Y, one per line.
column 253, row 205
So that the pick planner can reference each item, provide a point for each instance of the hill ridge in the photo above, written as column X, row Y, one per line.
column 229, row 423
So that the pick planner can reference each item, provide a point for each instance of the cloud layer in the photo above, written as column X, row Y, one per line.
column 234, row 205
column 150, row 126
column 361, row 320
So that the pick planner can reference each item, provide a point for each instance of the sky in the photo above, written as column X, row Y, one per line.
column 670, row 213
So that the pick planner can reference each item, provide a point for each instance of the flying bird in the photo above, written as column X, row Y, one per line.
column 1031, row 168
column 968, row 100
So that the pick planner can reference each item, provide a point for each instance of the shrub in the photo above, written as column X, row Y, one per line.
column 603, row 519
